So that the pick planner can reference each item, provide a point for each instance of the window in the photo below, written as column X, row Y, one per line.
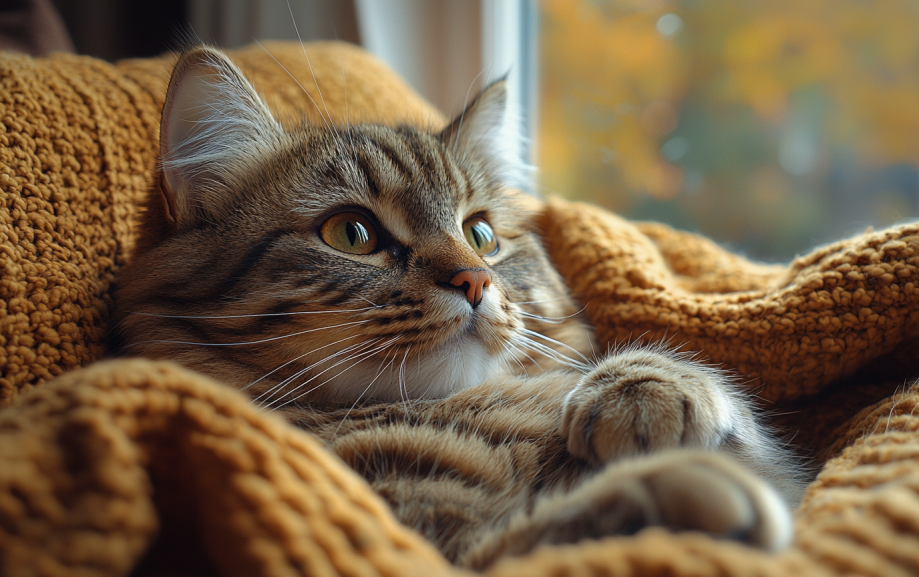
column 768, row 125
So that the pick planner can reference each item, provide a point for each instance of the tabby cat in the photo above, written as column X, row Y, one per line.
column 386, row 289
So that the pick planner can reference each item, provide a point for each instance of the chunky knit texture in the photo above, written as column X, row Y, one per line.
column 794, row 330
column 138, row 466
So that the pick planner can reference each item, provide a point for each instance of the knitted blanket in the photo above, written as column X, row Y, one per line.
column 135, row 467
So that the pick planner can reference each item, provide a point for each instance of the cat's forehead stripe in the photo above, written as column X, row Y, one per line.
column 419, row 185
column 369, row 174
column 397, row 158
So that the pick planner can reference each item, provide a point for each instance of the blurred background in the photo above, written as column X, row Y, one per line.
column 768, row 125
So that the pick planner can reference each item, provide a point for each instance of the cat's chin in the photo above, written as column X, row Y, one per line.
column 461, row 363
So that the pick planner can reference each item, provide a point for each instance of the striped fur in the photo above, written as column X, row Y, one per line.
column 479, row 424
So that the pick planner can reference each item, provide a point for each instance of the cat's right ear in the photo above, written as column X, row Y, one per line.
column 214, row 130
column 489, row 129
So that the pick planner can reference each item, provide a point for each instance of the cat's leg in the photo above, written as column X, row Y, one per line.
column 643, row 400
column 685, row 490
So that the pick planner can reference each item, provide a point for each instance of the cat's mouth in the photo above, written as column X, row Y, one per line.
column 492, row 324
column 474, row 346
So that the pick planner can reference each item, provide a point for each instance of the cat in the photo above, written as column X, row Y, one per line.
column 386, row 290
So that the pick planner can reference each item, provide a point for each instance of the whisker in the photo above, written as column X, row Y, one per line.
column 403, row 389
column 349, row 351
column 540, row 301
column 363, row 355
column 344, row 79
column 545, row 320
column 524, row 353
column 551, row 353
column 239, row 344
column 513, row 350
column 295, row 359
column 379, row 374
column 257, row 315
column 530, row 333
column 327, row 123
column 272, row 400
column 375, row 305
column 551, row 320
column 308, row 63
column 590, row 341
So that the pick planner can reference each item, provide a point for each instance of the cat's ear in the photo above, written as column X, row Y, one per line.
column 488, row 129
column 214, row 130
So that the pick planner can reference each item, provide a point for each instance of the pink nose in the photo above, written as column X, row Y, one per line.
column 472, row 283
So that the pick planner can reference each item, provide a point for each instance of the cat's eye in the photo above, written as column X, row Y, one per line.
column 350, row 232
column 480, row 236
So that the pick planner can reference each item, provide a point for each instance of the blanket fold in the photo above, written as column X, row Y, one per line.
column 137, row 467
column 792, row 331
column 124, row 448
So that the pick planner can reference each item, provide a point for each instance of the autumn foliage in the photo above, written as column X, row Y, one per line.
column 769, row 124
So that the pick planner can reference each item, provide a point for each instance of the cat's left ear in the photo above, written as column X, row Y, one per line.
column 215, row 129
column 488, row 130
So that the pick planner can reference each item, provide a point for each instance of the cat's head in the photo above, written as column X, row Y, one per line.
column 336, row 263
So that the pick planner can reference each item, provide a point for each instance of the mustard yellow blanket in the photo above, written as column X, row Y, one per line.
column 134, row 467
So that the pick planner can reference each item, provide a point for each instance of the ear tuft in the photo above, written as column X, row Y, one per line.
column 214, row 130
column 488, row 130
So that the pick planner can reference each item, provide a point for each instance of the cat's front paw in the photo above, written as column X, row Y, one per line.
column 643, row 400
column 683, row 490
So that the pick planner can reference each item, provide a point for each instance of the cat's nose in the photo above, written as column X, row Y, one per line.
column 472, row 283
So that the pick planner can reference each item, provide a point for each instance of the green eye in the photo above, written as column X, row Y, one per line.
column 350, row 232
column 480, row 236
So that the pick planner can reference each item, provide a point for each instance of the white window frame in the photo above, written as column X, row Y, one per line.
column 510, row 31
column 447, row 49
